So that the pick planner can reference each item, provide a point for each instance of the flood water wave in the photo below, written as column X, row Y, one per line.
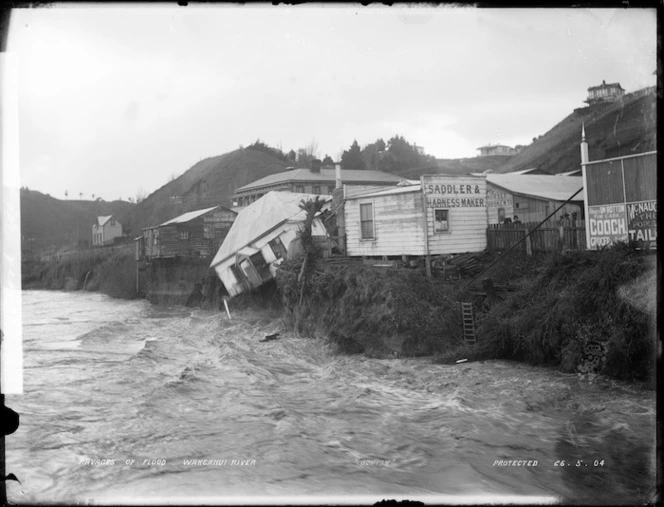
column 126, row 402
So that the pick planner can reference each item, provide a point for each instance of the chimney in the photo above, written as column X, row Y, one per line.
column 315, row 166
column 337, row 169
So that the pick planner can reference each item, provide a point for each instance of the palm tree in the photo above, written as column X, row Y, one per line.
column 66, row 194
column 80, row 195
column 93, row 197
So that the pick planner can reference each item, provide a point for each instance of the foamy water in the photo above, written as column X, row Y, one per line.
column 125, row 402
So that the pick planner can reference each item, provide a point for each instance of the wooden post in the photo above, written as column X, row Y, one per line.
column 427, row 263
column 561, row 236
column 529, row 246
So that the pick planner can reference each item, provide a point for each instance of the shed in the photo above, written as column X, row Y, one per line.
column 531, row 197
column 440, row 215
column 259, row 239
column 196, row 233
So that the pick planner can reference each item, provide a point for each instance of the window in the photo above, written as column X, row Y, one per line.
column 315, row 189
column 441, row 220
column 184, row 234
column 366, row 221
column 501, row 215
column 299, row 189
column 208, row 231
column 262, row 267
column 278, row 248
column 238, row 274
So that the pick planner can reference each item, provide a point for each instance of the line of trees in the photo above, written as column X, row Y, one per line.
column 394, row 156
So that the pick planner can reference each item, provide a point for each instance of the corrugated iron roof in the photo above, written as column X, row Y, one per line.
column 605, row 85
column 530, row 170
column 495, row 146
column 186, row 217
column 325, row 175
column 544, row 186
column 390, row 191
column 271, row 210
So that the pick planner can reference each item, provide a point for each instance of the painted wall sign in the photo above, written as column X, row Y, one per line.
column 642, row 220
column 455, row 194
column 498, row 198
column 607, row 224
column 621, row 186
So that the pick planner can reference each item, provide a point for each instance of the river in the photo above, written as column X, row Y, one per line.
column 129, row 403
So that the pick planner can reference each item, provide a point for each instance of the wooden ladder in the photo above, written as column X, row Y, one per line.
column 468, row 323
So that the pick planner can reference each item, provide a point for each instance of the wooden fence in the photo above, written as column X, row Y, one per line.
column 88, row 253
column 553, row 236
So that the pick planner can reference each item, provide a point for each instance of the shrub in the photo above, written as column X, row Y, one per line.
column 571, row 302
column 361, row 309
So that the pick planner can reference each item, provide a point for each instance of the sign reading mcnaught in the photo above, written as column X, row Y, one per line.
column 621, row 201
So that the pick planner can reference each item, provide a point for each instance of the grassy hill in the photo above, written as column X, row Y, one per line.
column 207, row 183
column 612, row 130
column 46, row 221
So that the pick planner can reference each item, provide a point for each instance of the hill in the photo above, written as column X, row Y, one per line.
column 46, row 221
column 612, row 130
column 207, row 183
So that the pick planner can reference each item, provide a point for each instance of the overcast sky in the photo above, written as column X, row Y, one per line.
column 117, row 99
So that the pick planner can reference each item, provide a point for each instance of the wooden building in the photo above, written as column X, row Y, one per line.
column 440, row 215
column 621, row 200
column 495, row 149
column 260, row 239
column 531, row 197
column 317, row 180
column 196, row 233
column 604, row 93
column 105, row 230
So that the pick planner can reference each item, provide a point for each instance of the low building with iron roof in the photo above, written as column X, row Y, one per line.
column 317, row 180
column 195, row 233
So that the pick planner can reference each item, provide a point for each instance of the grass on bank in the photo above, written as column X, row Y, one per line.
column 572, row 302
column 363, row 309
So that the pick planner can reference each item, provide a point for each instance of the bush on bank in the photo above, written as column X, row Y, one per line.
column 372, row 310
column 571, row 304
column 114, row 275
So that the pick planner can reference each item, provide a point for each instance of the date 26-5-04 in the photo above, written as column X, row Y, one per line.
column 578, row 463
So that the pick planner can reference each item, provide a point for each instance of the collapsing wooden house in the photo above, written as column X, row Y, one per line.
column 260, row 238
column 196, row 233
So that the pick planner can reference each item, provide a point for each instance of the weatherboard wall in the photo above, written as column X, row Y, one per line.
column 398, row 225
column 464, row 198
column 527, row 208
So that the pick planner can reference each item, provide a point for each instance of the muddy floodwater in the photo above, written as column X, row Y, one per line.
column 129, row 403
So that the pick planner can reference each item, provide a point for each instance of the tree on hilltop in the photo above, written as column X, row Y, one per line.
column 352, row 158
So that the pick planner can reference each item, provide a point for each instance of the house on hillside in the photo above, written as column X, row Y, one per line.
column 105, row 230
column 495, row 149
column 604, row 93
column 441, row 214
column 317, row 180
column 531, row 197
column 260, row 238
column 196, row 233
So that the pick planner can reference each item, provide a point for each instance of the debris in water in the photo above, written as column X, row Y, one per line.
column 270, row 337
column 462, row 361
